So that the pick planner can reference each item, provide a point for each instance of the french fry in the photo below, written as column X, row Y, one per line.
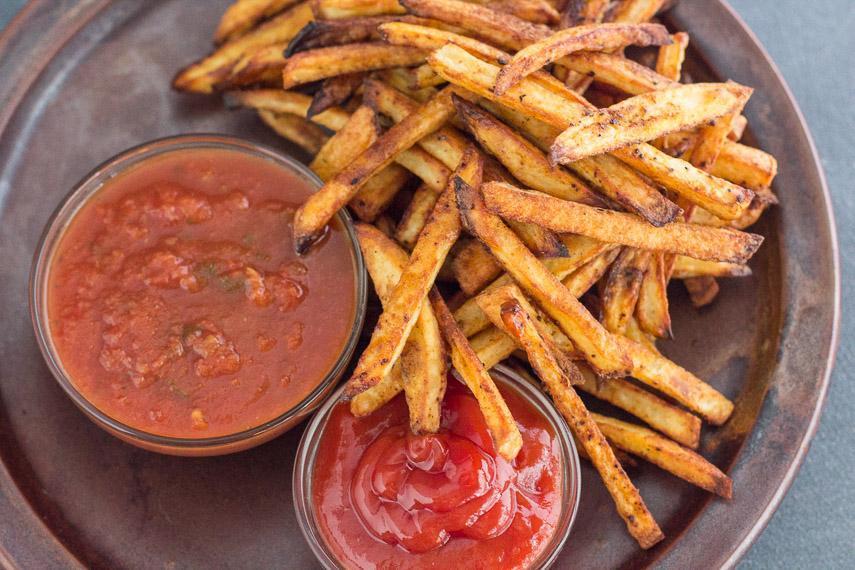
column 580, row 251
column 702, row 290
column 746, row 166
column 321, row 63
column 373, row 198
column 474, row 267
column 296, row 129
column 326, row 33
column 636, row 11
column 261, row 67
column 686, row 267
column 661, row 374
column 428, row 255
column 497, row 416
column 421, row 163
column 243, row 15
column 646, row 117
column 203, row 75
column 669, row 61
column 737, row 127
column 589, row 37
column 334, row 91
column 652, row 309
column 627, row 499
column 400, row 80
column 423, row 76
column 724, row 199
column 387, row 226
column 617, row 71
column 678, row 424
column 535, row 11
column 350, row 141
column 622, row 288
column 342, row 9
column 527, row 163
column 670, row 456
column 314, row 214
column 422, row 364
column 701, row 242
column 416, row 216
column 598, row 346
column 279, row 101
column 579, row 12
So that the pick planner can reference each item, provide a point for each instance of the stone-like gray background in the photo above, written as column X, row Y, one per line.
column 813, row 43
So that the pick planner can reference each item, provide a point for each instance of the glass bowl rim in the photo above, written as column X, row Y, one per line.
column 301, row 481
column 83, row 191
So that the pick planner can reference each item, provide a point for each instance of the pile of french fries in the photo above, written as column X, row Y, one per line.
column 511, row 152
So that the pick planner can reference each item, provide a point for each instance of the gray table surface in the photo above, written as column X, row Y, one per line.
column 812, row 43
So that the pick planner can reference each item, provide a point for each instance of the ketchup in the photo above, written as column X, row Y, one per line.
column 387, row 498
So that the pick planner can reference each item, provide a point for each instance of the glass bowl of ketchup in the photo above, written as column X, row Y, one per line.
column 369, row 494
column 170, row 305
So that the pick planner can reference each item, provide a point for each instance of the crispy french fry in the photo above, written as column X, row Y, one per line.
column 427, row 258
column 627, row 499
column 326, row 33
column 373, row 198
column 314, row 214
column 243, row 15
column 702, row 290
column 341, row 9
column 686, row 267
column 746, row 166
column 622, row 288
column 321, row 63
column 387, row 226
column 279, row 101
column 421, row 163
column 575, row 321
column 651, row 310
column 422, row 364
column 670, row 456
column 678, row 424
column 296, row 129
column 636, row 11
column 579, row 12
column 423, row 76
column 669, row 62
column 334, row 91
column 492, row 346
column 416, row 216
column 500, row 422
column 646, row 117
column 261, row 67
column 701, row 242
column 400, row 80
column 535, row 11
column 527, row 163
column 737, row 127
column 724, row 199
column 203, row 75
column 474, row 267
column 580, row 251
column 589, row 37
column 617, row 71
column 350, row 141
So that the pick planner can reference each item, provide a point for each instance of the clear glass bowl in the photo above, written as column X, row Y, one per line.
column 39, row 274
column 304, row 468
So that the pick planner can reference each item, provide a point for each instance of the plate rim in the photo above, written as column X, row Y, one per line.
column 62, row 28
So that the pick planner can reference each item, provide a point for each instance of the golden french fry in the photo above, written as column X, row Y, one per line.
column 617, row 71
column 651, row 310
column 702, row 290
column 203, row 75
column 279, row 101
column 701, row 242
column 737, row 127
column 423, row 76
column 746, row 166
column 243, row 15
column 627, row 499
column 325, row 33
column 350, row 141
column 474, row 267
column 422, row 364
column 374, row 197
column 387, row 226
column 314, row 214
column 636, row 11
column 497, row 416
column 597, row 345
column 577, row 13
column 670, row 456
column 588, row 37
column 430, row 170
column 397, row 320
column 342, row 9
column 622, row 288
column 261, row 67
column 669, row 62
column 686, row 267
column 580, row 250
column 296, row 129
column 416, row 216
column 646, row 117
column 398, row 78
column 334, row 91
column 321, row 63
column 535, row 11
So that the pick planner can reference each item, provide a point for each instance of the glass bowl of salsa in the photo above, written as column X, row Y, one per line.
column 369, row 494
column 170, row 305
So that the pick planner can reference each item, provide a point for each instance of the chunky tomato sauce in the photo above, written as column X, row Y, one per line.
column 178, row 306
column 385, row 498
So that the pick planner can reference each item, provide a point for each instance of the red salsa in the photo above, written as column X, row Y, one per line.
column 176, row 302
column 385, row 498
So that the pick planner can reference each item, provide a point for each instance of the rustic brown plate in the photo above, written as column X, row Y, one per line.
column 80, row 81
